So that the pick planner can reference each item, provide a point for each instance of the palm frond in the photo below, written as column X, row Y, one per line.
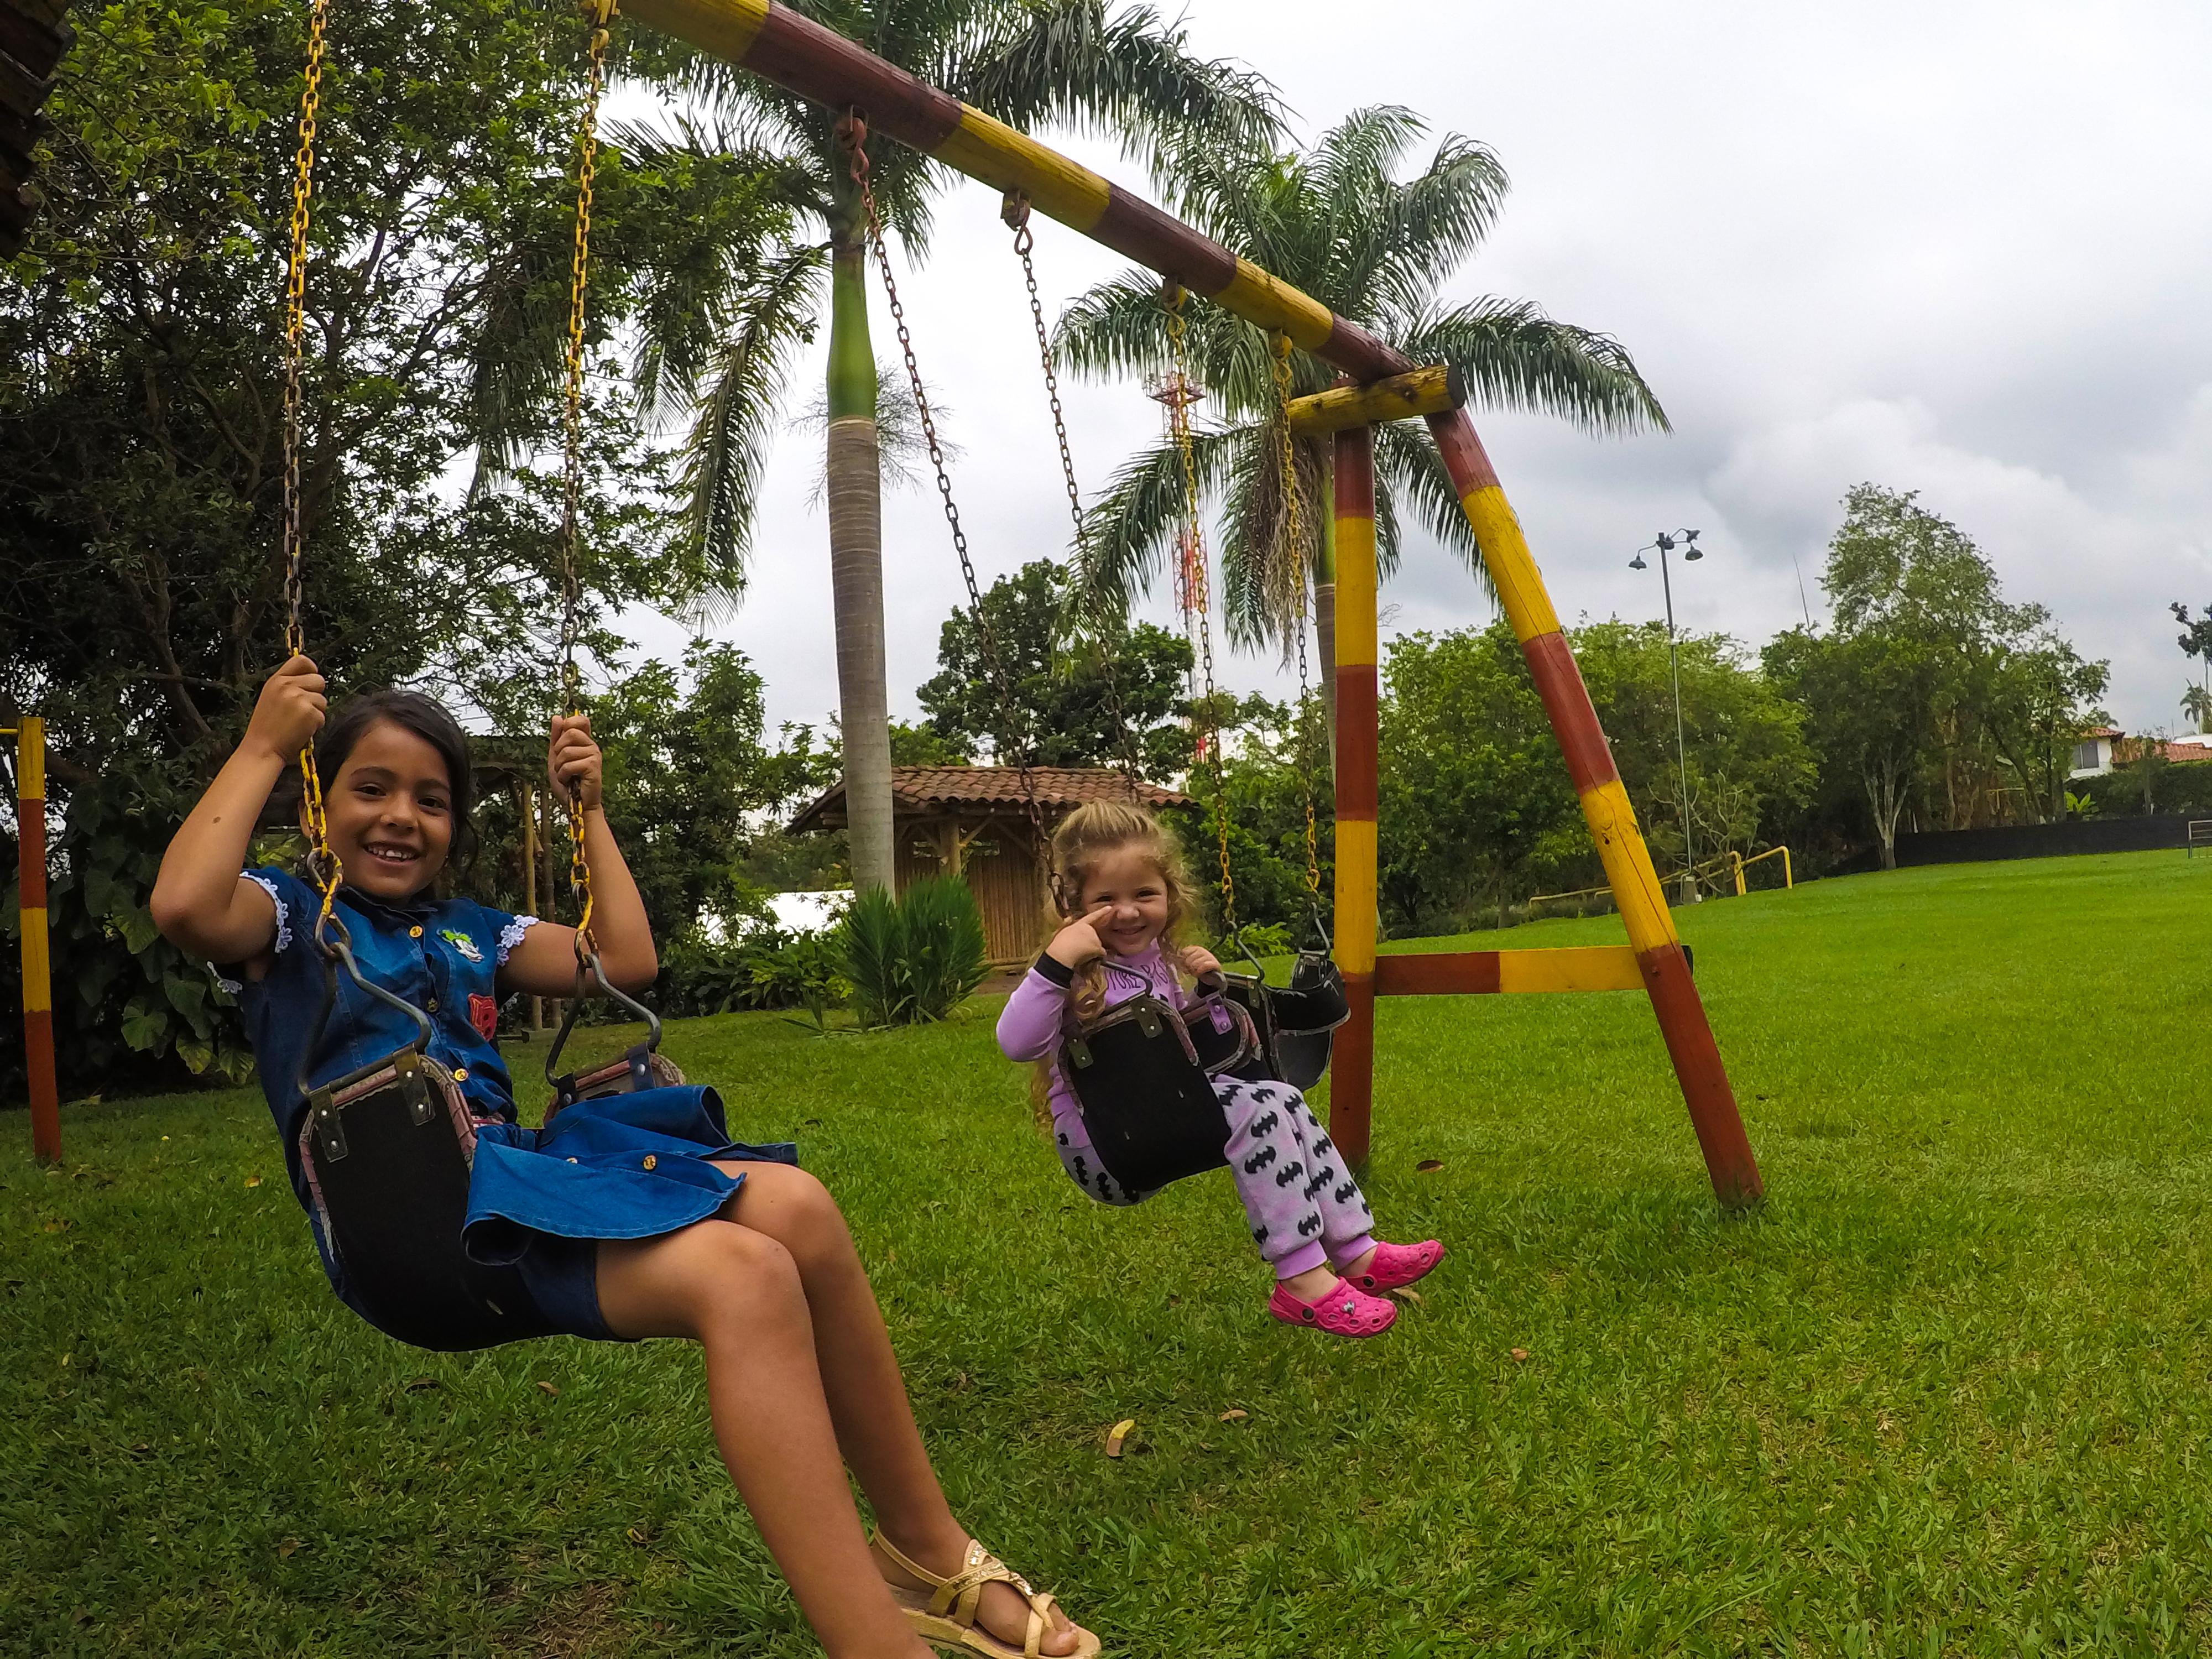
column 727, row 449
column 1408, row 471
column 1129, row 530
column 1513, row 356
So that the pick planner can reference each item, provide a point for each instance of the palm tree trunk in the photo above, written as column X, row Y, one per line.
column 856, row 567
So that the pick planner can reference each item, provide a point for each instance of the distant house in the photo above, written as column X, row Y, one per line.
column 2108, row 747
column 2092, row 755
column 973, row 822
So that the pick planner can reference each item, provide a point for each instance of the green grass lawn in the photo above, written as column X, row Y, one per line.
column 1947, row 1392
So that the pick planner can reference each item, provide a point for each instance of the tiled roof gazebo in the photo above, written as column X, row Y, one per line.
column 972, row 822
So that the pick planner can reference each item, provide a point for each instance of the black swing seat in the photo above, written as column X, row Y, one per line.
column 388, row 1150
column 1142, row 1074
column 644, row 1067
column 1293, row 1024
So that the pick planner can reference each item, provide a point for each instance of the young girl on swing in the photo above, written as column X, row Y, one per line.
column 1128, row 898
column 629, row 1216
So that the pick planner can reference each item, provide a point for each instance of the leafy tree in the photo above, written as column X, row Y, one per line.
column 1473, row 799
column 1336, row 221
column 723, row 355
column 1933, row 693
column 1272, row 761
column 2195, row 641
column 1058, row 690
column 1867, row 698
column 1746, row 758
column 924, row 745
column 141, row 474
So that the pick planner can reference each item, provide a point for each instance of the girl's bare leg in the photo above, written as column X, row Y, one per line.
column 738, row 1294
column 865, row 1392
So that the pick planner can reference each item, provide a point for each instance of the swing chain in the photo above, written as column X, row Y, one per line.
column 323, row 863
column 600, row 14
column 851, row 133
column 1294, row 509
column 1015, row 212
column 1206, row 733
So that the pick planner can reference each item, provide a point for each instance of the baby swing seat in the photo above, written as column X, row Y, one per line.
column 1143, row 1073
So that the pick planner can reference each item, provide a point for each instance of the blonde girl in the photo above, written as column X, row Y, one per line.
column 1128, row 899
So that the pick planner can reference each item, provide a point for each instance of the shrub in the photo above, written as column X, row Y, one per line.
column 769, row 970
column 913, row 959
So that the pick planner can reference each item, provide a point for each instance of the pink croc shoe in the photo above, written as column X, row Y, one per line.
column 1344, row 1311
column 1397, row 1265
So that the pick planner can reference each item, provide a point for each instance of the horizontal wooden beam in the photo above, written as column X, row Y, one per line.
column 801, row 55
column 1484, row 973
column 1429, row 391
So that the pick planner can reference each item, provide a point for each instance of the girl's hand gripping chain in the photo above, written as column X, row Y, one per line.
column 288, row 713
column 573, row 762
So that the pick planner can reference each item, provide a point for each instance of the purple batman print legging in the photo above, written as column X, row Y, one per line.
column 1303, row 1206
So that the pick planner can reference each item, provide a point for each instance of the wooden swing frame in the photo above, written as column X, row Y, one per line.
column 816, row 63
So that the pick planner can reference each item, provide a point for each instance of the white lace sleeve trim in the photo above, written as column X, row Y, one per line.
column 511, row 935
column 284, row 920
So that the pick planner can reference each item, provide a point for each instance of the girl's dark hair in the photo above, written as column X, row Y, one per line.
column 412, row 712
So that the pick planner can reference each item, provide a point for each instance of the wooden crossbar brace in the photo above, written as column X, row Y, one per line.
column 818, row 63
column 1488, row 973
column 1429, row 390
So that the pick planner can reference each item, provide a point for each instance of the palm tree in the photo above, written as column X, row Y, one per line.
column 1334, row 221
column 720, row 348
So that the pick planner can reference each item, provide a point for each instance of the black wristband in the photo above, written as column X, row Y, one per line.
column 1054, row 968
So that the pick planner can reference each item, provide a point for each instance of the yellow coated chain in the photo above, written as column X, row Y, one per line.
column 322, row 863
column 1206, row 731
column 1294, row 508
column 599, row 13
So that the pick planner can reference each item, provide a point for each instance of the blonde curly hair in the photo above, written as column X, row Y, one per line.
column 1084, row 838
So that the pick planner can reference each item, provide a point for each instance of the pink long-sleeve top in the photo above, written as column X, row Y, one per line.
column 1040, row 1012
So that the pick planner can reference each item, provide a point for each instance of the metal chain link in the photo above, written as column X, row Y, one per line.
column 853, row 134
column 600, row 13
column 1206, row 729
column 323, row 864
column 1015, row 212
column 1294, row 507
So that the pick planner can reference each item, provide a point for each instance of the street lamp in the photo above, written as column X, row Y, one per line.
column 1666, row 542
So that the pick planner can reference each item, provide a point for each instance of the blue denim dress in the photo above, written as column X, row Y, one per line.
column 626, row 1166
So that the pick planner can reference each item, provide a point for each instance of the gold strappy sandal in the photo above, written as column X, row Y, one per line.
column 943, row 1615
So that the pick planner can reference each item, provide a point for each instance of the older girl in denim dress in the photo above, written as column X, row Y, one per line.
column 631, row 1217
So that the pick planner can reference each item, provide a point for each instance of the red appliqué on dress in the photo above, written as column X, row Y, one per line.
column 483, row 1014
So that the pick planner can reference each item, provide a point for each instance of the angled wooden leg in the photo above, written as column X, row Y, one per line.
column 1605, row 806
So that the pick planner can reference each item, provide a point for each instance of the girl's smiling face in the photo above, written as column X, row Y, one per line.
column 1129, row 882
column 391, row 812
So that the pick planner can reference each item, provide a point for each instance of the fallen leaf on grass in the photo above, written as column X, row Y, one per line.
column 1117, row 1434
column 1234, row 1415
column 1520, row 1356
column 639, row 1536
column 253, row 1181
column 1428, row 1166
column 141, row 1449
column 547, row 1388
column 423, row 1382
column 1404, row 1295
column 59, row 1224
column 288, row 1547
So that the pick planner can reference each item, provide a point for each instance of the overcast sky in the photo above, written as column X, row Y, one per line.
column 1961, row 249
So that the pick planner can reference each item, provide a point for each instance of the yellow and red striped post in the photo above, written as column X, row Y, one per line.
column 38, row 973
column 1351, row 1063
column 1612, row 820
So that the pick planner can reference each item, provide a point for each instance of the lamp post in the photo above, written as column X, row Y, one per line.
column 1691, row 553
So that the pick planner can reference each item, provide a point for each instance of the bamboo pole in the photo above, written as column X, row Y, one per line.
column 37, row 971
column 528, row 814
column 1351, row 1062
column 1612, row 820
column 1429, row 391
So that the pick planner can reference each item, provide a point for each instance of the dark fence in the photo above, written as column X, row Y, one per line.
column 2044, row 840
